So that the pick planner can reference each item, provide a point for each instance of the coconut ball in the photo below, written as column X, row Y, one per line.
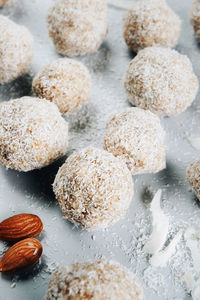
column 16, row 50
column 150, row 23
column 195, row 18
column 136, row 137
column 93, row 188
column 97, row 280
column 77, row 27
column 161, row 80
column 193, row 177
column 32, row 133
column 65, row 82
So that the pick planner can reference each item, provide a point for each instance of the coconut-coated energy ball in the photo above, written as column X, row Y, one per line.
column 77, row 27
column 16, row 50
column 97, row 280
column 193, row 177
column 136, row 137
column 195, row 17
column 161, row 80
column 150, row 23
column 65, row 82
column 93, row 188
column 32, row 133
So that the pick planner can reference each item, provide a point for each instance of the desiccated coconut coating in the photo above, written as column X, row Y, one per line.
column 32, row 133
column 16, row 50
column 65, row 82
column 150, row 23
column 96, row 280
column 161, row 80
column 137, row 138
column 77, row 27
column 195, row 17
column 93, row 188
column 193, row 177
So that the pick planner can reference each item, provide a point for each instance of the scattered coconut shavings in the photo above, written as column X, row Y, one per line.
column 86, row 128
column 154, row 280
column 192, row 238
column 160, row 226
column 161, row 258
column 189, row 280
column 195, row 142
column 3, row 249
column 123, row 4
column 193, row 286
column 196, row 290
column 13, row 285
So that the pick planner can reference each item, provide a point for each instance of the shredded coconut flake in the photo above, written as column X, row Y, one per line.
column 160, row 259
column 195, row 142
column 193, row 286
column 160, row 224
column 192, row 239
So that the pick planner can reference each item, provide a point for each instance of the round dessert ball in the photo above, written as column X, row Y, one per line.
column 65, row 82
column 136, row 137
column 32, row 133
column 93, row 188
column 96, row 279
column 161, row 80
column 195, row 18
column 150, row 23
column 193, row 177
column 77, row 27
column 16, row 50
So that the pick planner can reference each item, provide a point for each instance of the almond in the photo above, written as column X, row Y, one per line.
column 19, row 227
column 21, row 255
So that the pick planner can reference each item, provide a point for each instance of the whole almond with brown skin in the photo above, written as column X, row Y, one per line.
column 19, row 227
column 21, row 255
